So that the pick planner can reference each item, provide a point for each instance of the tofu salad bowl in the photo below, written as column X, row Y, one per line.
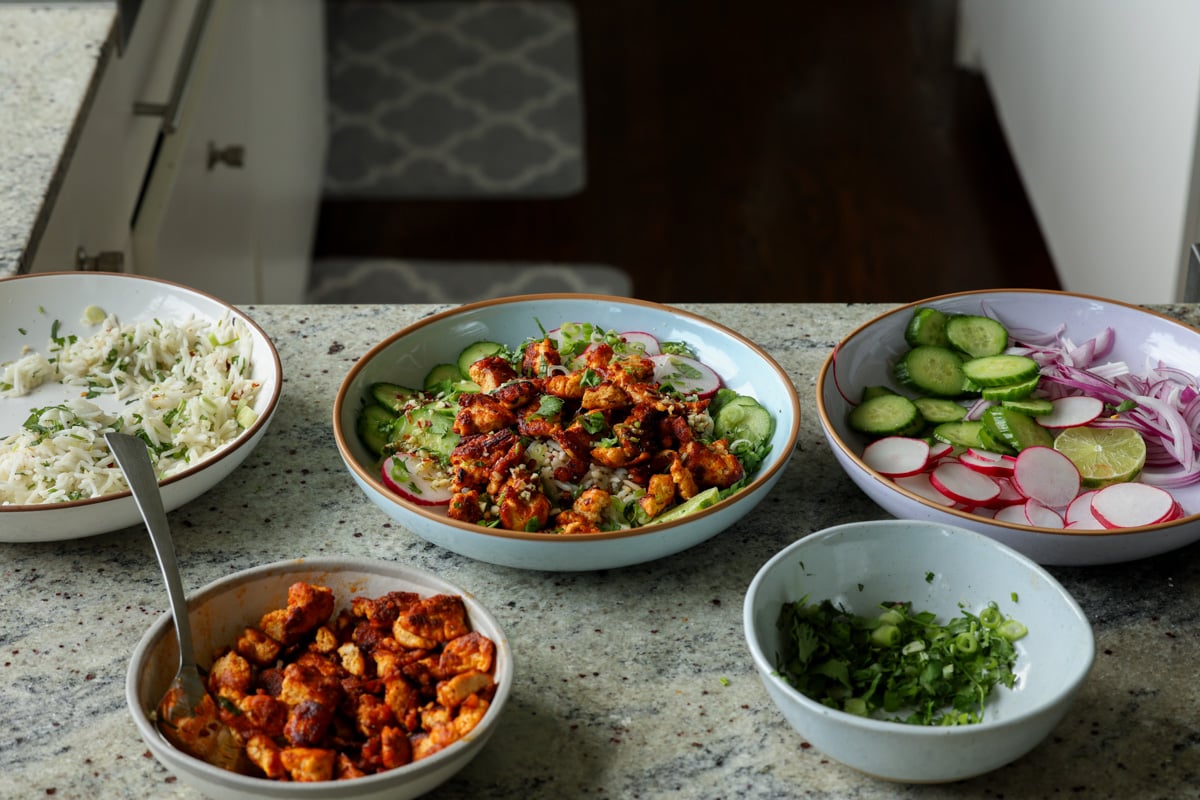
column 566, row 432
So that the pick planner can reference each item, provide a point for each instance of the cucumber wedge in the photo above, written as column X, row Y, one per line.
column 976, row 336
column 936, row 410
column 932, row 370
column 886, row 415
column 473, row 352
column 742, row 418
column 374, row 426
column 1015, row 429
column 966, row 433
column 927, row 326
column 708, row 497
column 1001, row 370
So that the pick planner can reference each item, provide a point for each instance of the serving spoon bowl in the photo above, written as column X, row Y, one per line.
column 187, row 713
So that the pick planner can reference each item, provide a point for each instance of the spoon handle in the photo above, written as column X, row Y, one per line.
column 134, row 460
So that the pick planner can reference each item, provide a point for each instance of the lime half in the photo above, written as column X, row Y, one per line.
column 1103, row 455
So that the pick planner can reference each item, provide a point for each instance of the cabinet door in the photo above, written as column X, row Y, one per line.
column 230, row 204
column 93, row 206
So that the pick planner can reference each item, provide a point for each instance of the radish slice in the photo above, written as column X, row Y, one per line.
column 987, row 462
column 686, row 375
column 1072, row 412
column 416, row 479
column 1014, row 514
column 963, row 484
column 1044, row 474
column 919, row 484
column 896, row 456
column 1079, row 512
column 1008, row 494
column 940, row 449
column 646, row 340
column 1040, row 515
column 1130, row 505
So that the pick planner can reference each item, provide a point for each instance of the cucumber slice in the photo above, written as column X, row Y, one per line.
column 1033, row 406
column 708, row 497
column 932, row 370
column 429, row 428
column 1002, row 370
column 442, row 374
column 966, row 433
column 992, row 443
column 1015, row 429
column 392, row 395
column 1010, row 391
column 976, row 336
column 874, row 391
column 927, row 326
column 473, row 352
column 374, row 426
column 936, row 410
column 886, row 415
column 742, row 418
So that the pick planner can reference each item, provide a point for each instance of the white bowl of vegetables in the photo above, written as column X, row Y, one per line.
column 566, row 432
column 1063, row 425
column 916, row 651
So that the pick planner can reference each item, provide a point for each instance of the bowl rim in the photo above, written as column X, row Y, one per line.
column 765, row 474
column 1083, row 664
column 827, row 375
column 246, row 436
column 163, row 626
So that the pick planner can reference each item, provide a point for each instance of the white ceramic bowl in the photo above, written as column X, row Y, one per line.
column 31, row 304
column 407, row 355
column 865, row 358
column 219, row 612
column 862, row 564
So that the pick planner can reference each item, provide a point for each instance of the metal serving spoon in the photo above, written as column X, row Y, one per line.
column 187, row 714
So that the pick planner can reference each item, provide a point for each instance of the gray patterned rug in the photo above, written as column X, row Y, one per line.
column 399, row 281
column 441, row 99
column 431, row 98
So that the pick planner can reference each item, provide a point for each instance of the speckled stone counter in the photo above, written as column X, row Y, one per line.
column 49, row 53
column 631, row 683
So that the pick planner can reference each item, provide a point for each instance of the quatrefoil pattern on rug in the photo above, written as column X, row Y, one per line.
column 453, row 99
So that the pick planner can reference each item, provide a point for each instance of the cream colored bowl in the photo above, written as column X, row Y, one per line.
column 865, row 357
column 33, row 307
column 407, row 355
column 219, row 612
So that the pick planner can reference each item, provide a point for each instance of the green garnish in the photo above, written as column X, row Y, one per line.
column 899, row 665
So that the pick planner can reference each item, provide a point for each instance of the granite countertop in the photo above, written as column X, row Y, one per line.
column 49, row 53
column 633, row 682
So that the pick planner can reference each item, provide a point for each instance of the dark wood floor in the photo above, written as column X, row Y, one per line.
column 780, row 150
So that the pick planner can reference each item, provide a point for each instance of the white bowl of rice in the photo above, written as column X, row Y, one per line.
column 85, row 353
column 638, row 463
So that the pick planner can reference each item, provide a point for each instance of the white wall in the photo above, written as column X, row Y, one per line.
column 1099, row 101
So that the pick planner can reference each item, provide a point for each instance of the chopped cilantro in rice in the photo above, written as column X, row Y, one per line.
column 184, row 388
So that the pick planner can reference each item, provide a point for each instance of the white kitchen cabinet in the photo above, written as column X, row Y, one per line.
column 113, row 147
column 226, row 200
column 1099, row 102
column 230, row 206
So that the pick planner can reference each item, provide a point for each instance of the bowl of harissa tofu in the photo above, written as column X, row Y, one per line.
column 566, row 432
column 329, row 678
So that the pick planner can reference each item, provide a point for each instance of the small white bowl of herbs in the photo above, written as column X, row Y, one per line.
column 1063, row 425
column 891, row 649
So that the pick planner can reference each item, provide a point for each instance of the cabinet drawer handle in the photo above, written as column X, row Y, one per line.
column 171, row 110
column 233, row 155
